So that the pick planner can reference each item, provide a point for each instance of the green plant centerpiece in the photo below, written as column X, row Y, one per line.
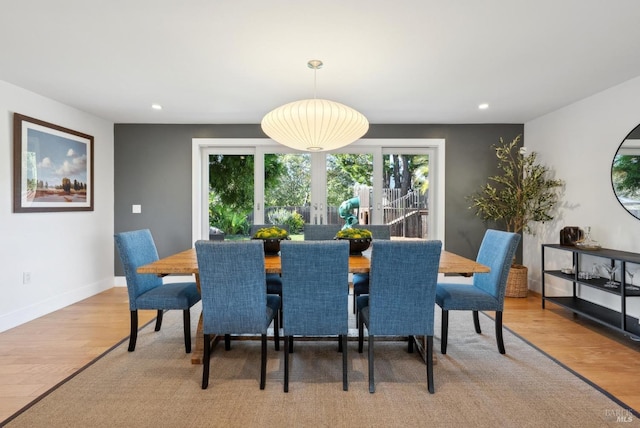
column 271, row 236
column 359, row 239
column 523, row 193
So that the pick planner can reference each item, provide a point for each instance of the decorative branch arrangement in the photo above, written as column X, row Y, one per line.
column 524, row 193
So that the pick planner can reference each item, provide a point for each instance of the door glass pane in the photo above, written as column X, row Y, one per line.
column 349, row 188
column 405, row 194
column 287, row 190
column 231, row 194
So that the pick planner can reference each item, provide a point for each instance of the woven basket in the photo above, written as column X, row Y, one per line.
column 517, row 284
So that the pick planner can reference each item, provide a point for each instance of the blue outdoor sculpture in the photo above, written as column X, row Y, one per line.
column 346, row 211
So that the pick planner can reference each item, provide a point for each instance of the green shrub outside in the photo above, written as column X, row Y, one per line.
column 235, row 222
column 229, row 220
column 291, row 218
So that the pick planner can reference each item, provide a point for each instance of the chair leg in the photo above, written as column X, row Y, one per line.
column 430, row 364
column 410, row 340
column 159, row 319
column 360, row 334
column 372, row 386
column 227, row 342
column 206, row 361
column 276, row 331
column 355, row 306
column 133, row 334
column 286, row 362
column 444, row 331
column 345, row 380
column 186, row 318
column 340, row 348
column 263, row 361
column 476, row 322
column 290, row 344
column 499, row 332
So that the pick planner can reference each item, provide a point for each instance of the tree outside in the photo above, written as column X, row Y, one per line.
column 626, row 175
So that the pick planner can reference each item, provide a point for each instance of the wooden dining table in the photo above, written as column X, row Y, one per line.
column 186, row 263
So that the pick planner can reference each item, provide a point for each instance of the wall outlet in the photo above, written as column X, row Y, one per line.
column 136, row 209
column 26, row 277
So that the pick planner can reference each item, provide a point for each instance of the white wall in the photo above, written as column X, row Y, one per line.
column 578, row 142
column 69, row 255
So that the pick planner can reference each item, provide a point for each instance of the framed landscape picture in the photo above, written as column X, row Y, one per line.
column 52, row 167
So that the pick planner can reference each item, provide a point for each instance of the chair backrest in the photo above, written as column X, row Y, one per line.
column 232, row 285
column 315, row 287
column 320, row 232
column 402, row 287
column 496, row 251
column 136, row 248
column 378, row 231
column 255, row 227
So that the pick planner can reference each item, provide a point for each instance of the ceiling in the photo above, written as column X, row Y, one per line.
column 402, row 61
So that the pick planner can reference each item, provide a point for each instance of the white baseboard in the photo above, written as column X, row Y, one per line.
column 29, row 313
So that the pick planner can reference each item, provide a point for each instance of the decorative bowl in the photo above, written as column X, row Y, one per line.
column 359, row 239
column 357, row 245
column 271, row 236
column 271, row 245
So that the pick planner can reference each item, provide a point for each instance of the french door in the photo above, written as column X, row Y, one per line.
column 386, row 183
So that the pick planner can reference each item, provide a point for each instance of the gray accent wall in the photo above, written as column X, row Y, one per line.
column 152, row 168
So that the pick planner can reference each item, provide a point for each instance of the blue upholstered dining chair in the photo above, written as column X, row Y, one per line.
column 320, row 232
column 487, row 291
column 274, row 283
column 315, row 294
column 361, row 280
column 234, row 298
column 401, row 299
column 147, row 291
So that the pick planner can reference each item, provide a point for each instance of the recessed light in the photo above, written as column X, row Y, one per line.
column 156, row 106
column 483, row 106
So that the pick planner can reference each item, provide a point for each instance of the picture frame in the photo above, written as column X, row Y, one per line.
column 52, row 167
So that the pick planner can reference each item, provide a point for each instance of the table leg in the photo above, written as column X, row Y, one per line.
column 198, row 352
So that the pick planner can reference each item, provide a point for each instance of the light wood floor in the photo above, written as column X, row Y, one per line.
column 606, row 358
column 37, row 355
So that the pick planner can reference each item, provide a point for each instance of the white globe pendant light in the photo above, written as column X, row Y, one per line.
column 314, row 124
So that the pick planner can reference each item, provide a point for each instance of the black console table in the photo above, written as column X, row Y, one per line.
column 618, row 320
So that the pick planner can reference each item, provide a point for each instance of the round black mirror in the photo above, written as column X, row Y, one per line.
column 625, row 173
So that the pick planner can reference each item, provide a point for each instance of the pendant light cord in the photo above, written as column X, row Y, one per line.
column 315, row 64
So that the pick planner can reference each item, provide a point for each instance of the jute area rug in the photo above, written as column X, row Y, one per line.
column 157, row 386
